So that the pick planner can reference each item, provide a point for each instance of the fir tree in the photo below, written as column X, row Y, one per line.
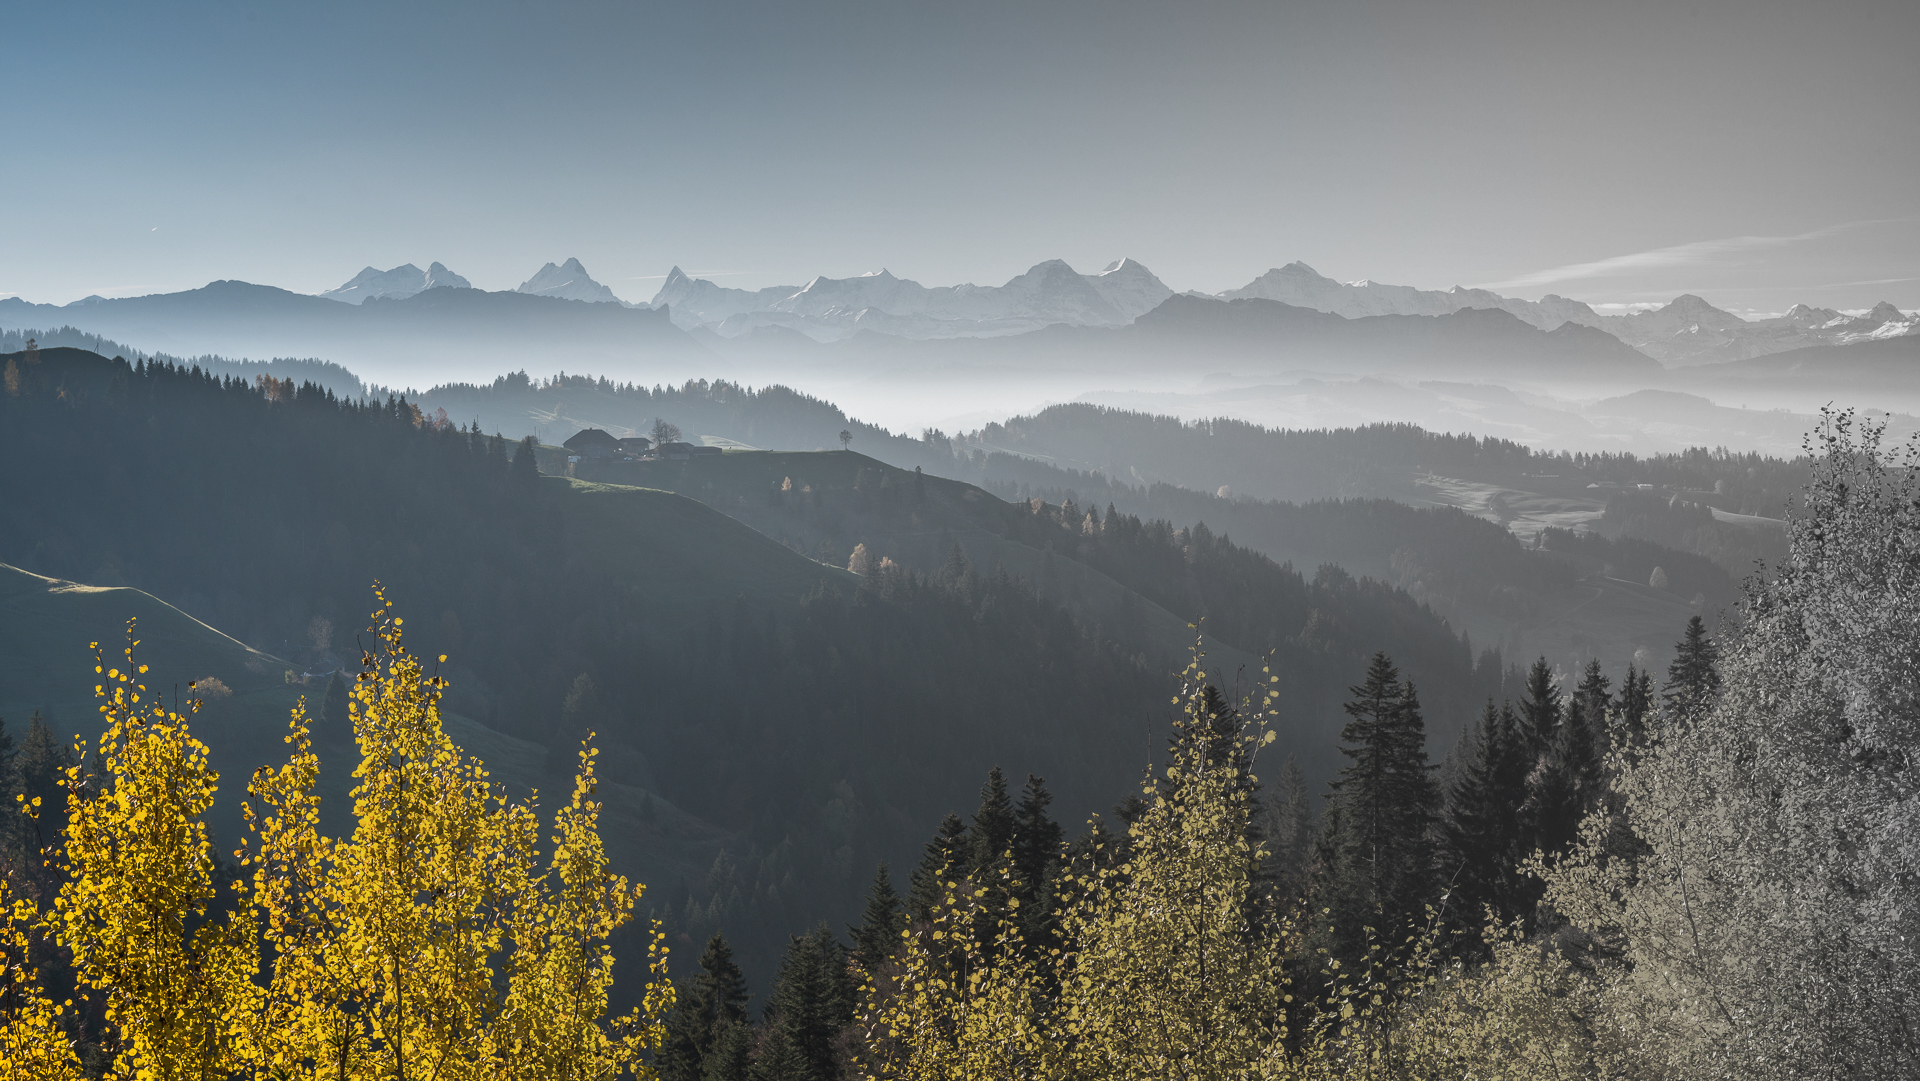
column 812, row 1002
column 1694, row 676
column 1481, row 832
column 993, row 823
column 1381, row 861
column 1629, row 721
column 1540, row 708
column 732, row 1056
column 1036, row 863
column 879, row 931
column 717, row 1001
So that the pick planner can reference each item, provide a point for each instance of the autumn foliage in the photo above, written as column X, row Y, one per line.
column 441, row 939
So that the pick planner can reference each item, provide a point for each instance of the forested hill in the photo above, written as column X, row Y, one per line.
column 1316, row 496
column 808, row 720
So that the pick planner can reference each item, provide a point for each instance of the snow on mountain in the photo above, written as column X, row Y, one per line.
column 1304, row 287
column 1129, row 288
column 399, row 283
column 693, row 302
column 568, row 281
column 828, row 309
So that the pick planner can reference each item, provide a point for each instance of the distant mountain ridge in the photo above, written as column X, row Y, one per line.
column 568, row 281
column 1304, row 287
column 830, row 309
column 399, row 283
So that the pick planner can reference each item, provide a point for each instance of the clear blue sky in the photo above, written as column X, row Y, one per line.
column 1757, row 153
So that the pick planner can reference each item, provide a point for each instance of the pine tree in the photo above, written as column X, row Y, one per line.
column 1694, row 676
column 879, row 931
column 1380, row 862
column 1481, row 832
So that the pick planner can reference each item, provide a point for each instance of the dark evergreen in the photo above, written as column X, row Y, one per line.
column 993, row 822
column 813, row 1000
column 1694, row 677
column 716, row 1003
column 879, row 932
column 1540, row 708
column 1629, row 721
column 732, row 1056
column 1380, row 859
column 1481, row 834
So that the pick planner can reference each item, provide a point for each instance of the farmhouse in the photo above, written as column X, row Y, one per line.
column 593, row 443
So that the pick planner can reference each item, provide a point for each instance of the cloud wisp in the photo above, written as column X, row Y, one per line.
column 1696, row 253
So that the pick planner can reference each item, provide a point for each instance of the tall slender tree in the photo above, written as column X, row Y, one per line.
column 878, row 934
column 1380, row 860
column 1481, row 835
column 1694, row 676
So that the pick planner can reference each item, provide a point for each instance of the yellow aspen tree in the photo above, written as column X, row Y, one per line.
column 425, row 945
column 552, row 1025
column 137, row 908
column 34, row 1045
column 1172, row 973
column 387, row 939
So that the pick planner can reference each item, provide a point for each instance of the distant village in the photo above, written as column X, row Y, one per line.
column 599, row 443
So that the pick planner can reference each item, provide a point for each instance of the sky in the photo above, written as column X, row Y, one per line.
column 1759, row 154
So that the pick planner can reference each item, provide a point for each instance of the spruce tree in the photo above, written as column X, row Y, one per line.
column 813, row 1000
column 1036, row 838
column 717, row 1000
column 1629, row 721
column 1036, row 863
column 1694, row 676
column 1540, row 712
column 879, row 931
column 993, row 823
column 732, row 1056
column 1481, row 832
column 1381, row 859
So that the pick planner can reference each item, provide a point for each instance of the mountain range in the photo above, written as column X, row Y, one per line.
column 831, row 309
column 397, row 284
